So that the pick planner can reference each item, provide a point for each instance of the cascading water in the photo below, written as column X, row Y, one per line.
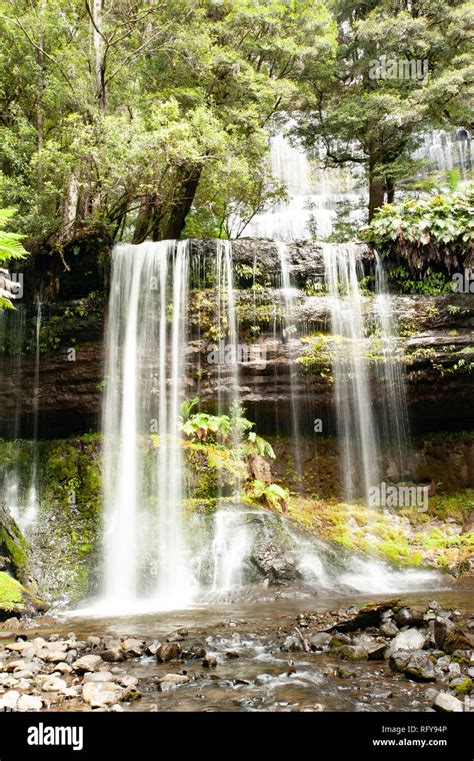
column 289, row 331
column 21, row 488
column 391, row 378
column 29, row 516
column 146, row 552
column 314, row 194
column 361, row 431
column 357, row 432
column 230, row 538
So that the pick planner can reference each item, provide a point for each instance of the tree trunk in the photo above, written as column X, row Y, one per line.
column 144, row 221
column 187, row 190
column 376, row 190
column 390, row 184
column 99, row 52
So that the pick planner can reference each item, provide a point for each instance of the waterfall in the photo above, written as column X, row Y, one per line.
column 357, row 432
column 362, row 432
column 391, row 377
column 29, row 517
column 21, row 489
column 145, row 546
column 314, row 193
column 289, row 330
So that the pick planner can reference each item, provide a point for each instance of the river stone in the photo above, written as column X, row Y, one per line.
column 209, row 661
column 132, row 647
column 345, row 673
column 450, row 637
column 128, row 681
column 54, row 656
column 398, row 661
column 98, row 676
column 461, row 685
column 353, row 653
column 98, row 694
column 53, row 684
column 87, row 663
column 113, row 655
column 29, row 703
column 173, row 679
column 274, row 562
column 408, row 617
column 389, row 628
column 9, row 699
column 93, row 641
column 411, row 639
column 420, row 668
column 319, row 641
column 447, row 703
column 168, row 651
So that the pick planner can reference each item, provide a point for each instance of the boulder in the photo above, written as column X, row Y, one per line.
column 408, row 617
column 168, row 651
column 450, row 637
column 420, row 668
column 353, row 653
column 411, row 639
column 274, row 562
column 447, row 703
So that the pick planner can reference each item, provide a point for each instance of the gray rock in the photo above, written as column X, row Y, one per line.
column 398, row 661
column 447, row 703
column 319, row 641
column 133, row 648
column 461, row 685
column 420, row 668
column 450, row 637
column 353, row 653
column 408, row 617
column 411, row 639
column 389, row 628
column 87, row 663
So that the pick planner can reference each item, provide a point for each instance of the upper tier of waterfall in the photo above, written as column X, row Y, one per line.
column 316, row 192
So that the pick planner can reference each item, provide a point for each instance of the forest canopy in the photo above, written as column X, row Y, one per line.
column 138, row 119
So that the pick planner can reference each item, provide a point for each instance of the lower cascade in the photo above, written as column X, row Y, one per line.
column 157, row 553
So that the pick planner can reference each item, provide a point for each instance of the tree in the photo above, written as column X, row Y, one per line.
column 125, row 119
column 400, row 68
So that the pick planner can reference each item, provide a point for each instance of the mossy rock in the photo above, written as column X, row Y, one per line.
column 16, row 600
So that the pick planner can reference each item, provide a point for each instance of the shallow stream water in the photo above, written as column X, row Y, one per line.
column 263, row 677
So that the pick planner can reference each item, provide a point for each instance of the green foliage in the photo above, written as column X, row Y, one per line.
column 147, row 119
column 272, row 494
column 438, row 219
column 11, row 248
